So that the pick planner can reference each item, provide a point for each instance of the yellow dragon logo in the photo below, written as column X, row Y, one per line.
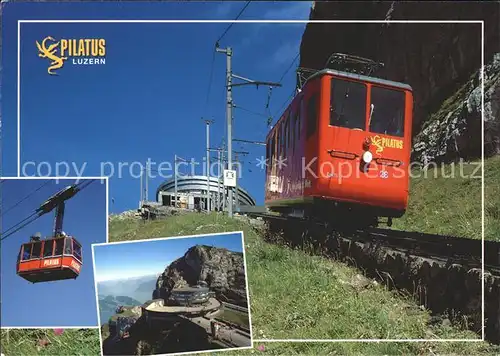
column 50, row 53
column 377, row 142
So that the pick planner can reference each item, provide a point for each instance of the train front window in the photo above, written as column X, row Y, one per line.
column 387, row 111
column 348, row 104
column 48, row 247
column 37, row 250
column 77, row 250
column 27, row 251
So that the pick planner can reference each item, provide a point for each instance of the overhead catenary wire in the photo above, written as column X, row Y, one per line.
column 289, row 67
column 34, row 216
column 26, row 197
column 210, row 78
column 272, row 117
column 232, row 23
column 250, row 111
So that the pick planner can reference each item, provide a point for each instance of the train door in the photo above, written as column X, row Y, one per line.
column 344, row 129
column 389, row 133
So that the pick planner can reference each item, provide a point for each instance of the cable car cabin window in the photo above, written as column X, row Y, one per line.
column 312, row 114
column 37, row 250
column 48, row 247
column 27, row 251
column 67, row 246
column 59, row 247
column 387, row 111
column 77, row 250
column 348, row 104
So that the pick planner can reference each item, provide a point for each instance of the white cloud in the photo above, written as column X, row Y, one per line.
column 286, row 52
column 223, row 9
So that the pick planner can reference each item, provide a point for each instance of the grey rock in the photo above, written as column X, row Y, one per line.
column 221, row 269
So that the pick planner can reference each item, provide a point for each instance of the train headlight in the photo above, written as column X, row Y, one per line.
column 367, row 157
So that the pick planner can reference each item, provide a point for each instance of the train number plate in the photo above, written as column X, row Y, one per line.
column 384, row 174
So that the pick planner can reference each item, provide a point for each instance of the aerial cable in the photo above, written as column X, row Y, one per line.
column 17, row 227
column 80, row 186
column 26, row 197
column 289, row 67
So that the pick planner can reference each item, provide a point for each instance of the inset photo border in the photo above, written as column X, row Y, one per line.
column 48, row 227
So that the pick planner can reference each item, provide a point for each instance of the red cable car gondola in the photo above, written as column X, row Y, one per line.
column 56, row 258
column 50, row 259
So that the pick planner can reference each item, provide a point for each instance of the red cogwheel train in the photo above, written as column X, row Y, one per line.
column 341, row 149
column 57, row 257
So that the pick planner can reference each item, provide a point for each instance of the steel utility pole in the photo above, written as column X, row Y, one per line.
column 218, row 150
column 229, row 109
column 223, row 159
column 218, row 179
column 140, row 202
column 229, row 117
column 236, row 159
column 208, row 122
column 147, row 177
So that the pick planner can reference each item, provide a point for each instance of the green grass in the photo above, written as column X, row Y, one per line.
column 452, row 206
column 45, row 342
column 297, row 296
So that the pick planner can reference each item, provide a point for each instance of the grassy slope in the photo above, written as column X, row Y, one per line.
column 29, row 341
column 453, row 205
column 295, row 295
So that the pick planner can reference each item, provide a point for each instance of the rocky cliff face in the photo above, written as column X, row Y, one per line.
column 223, row 270
column 440, row 61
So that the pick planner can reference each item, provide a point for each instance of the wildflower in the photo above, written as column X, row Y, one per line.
column 261, row 348
column 58, row 332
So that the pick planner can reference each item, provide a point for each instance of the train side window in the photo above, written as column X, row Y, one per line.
column 278, row 140
column 387, row 112
column 48, row 247
column 283, row 138
column 77, row 250
column 27, row 251
column 288, row 119
column 59, row 247
column 312, row 114
column 299, row 116
column 275, row 141
column 67, row 246
column 37, row 250
column 348, row 104
column 271, row 147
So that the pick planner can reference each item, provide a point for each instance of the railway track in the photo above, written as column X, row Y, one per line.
column 453, row 250
column 443, row 273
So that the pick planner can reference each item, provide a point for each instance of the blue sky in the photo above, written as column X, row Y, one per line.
column 148, row 99
column 57, row 303
column 135, row 259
